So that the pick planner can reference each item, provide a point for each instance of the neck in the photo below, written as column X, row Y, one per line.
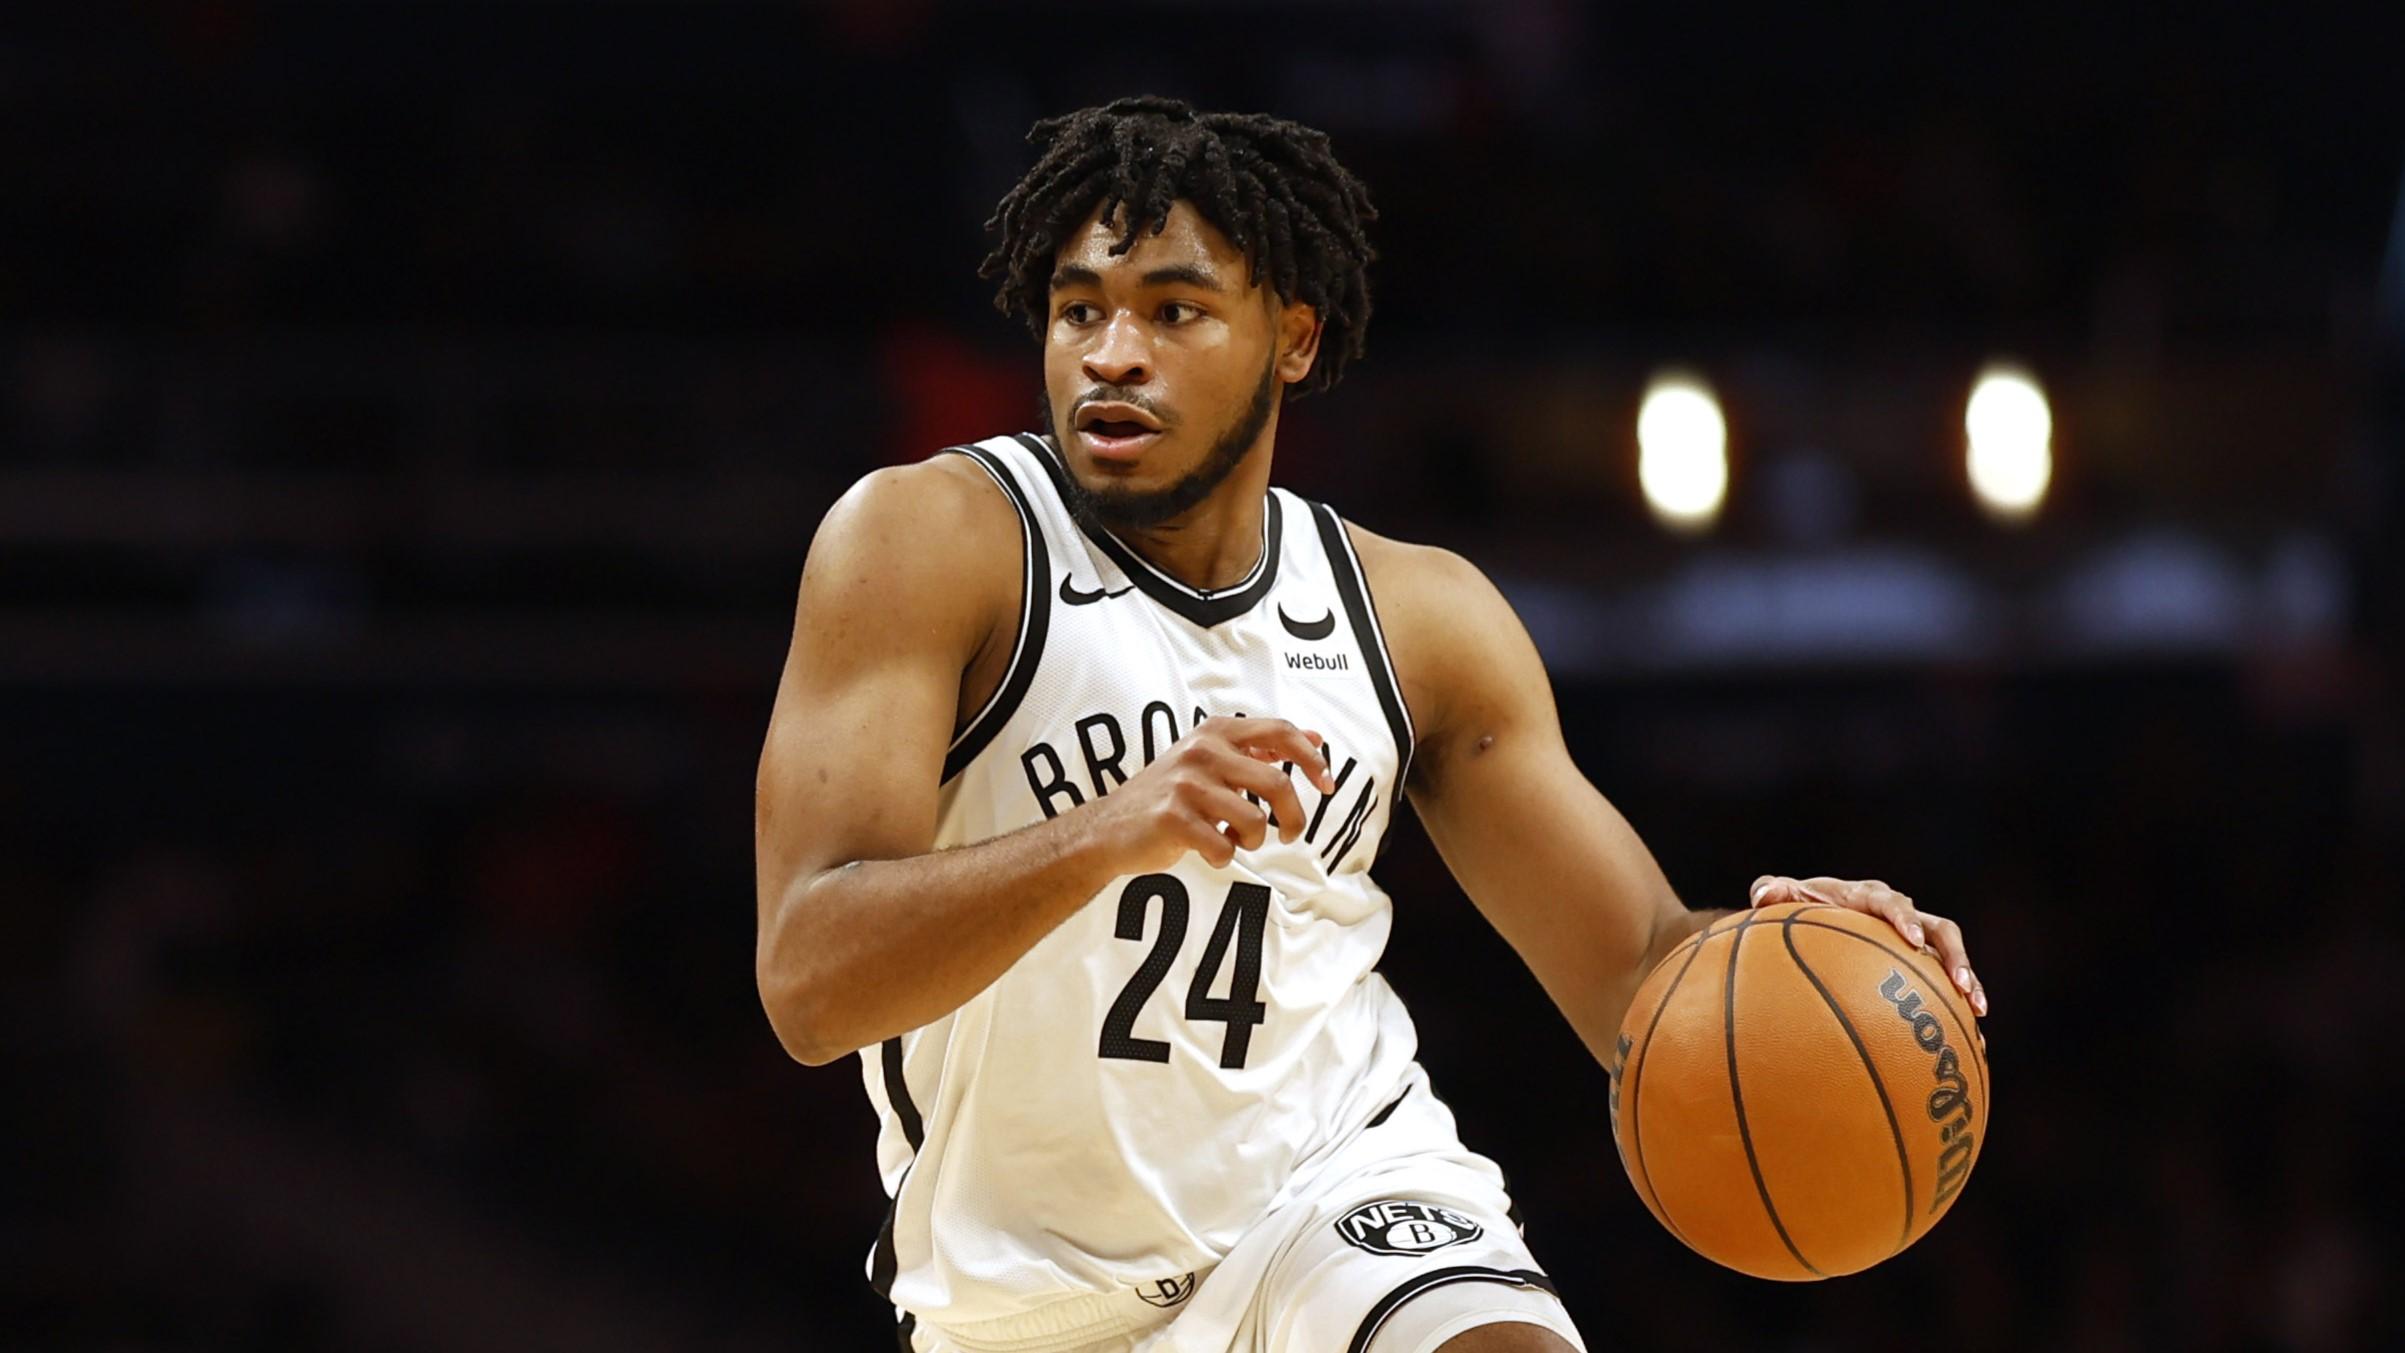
column 1214, row 545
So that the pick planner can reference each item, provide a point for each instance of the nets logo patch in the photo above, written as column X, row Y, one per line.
column 1405, row 1228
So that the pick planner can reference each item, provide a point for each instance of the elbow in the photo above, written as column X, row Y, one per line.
column 813, row 1054
column 793, row 996
column 821, row 999
column 801, row 1026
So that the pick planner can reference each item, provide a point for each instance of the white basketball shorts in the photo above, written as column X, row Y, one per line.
column 1402, row 1241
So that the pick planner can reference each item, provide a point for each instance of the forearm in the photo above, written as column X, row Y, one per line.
column 1595, row 1003
column 856, row 954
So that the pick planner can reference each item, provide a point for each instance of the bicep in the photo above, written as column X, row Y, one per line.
column 853, row 760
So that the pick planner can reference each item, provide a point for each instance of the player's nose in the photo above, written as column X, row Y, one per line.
column 1118, row 356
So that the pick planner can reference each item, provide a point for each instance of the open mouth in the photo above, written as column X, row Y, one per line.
column 1116, row 431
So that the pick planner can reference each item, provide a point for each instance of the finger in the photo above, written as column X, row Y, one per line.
column 1313, row 761
column 1206, row 838
column 1247, row 822
column 1196, row 815
column 1946, row 938
column 1266, row 739
column 1217, row 848
column 1275, row 786
column 1772, row 889
column 1880, row 900
column 1314, row 768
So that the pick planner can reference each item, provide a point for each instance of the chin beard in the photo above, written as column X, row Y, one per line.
column 1136, row 509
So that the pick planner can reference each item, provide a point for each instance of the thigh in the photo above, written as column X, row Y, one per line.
column 1414, row 1241
column 1425, row 1256
column 1404, row 1222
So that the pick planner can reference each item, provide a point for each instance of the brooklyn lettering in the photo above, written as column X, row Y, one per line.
column 1101, row 750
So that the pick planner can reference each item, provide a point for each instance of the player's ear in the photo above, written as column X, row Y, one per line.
column 1298, row 340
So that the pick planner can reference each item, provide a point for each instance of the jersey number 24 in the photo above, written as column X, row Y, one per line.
column 1241, row 922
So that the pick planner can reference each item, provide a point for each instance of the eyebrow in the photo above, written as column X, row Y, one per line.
column 1176, row 274
column 1183, row 274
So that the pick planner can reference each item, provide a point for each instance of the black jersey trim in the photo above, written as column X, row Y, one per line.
column 1352, row 587
column 883, row 1263
column 1436, row 1278
column 897, row 1093
column 1035, row 619
column 903, row 1329
column 1204, row 608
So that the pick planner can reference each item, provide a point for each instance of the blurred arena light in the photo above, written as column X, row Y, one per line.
column 1682, row 451
column 2011, row 455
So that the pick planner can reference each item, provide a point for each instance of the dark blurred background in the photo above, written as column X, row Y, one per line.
column 413, row 418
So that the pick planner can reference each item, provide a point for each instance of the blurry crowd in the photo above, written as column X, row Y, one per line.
column 412, row 419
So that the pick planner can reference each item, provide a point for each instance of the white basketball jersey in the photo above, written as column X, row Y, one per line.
column 1182, row 1053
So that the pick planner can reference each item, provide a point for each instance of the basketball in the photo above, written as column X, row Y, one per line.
column 1798, row 1093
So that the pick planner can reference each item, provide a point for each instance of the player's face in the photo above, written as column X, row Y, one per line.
column 1162, row 365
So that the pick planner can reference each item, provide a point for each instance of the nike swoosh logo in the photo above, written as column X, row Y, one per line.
column 1071, row 596
column 1308, row 629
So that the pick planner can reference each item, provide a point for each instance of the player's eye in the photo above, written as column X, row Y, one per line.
column 1079, row 312
column 1179, row 312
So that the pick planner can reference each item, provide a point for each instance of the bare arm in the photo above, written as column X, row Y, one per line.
column 864, row 930
column 1544, row 856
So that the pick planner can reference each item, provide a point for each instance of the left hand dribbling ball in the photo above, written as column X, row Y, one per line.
column 1799, row 1093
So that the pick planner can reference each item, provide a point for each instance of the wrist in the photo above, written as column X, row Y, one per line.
column 1674, row 931
column 1092, row 849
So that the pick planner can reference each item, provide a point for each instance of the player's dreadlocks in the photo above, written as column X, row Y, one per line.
column 1271, row 186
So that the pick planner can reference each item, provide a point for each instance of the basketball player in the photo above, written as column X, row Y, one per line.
column 1084, row 748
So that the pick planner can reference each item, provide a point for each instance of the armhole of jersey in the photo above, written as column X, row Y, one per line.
column 1035, row 616
column 1352, row 586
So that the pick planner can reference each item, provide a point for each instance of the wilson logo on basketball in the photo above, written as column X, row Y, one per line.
column 1397, row 1227
column 1952, row 1097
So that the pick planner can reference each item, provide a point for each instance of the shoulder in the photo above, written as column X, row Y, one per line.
column 1452, row 635
column 900, row 503
column 936, row 539
column 1434, row 605
column 1414, row 575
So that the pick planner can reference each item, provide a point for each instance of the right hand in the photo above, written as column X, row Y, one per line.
column 1178, row 803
